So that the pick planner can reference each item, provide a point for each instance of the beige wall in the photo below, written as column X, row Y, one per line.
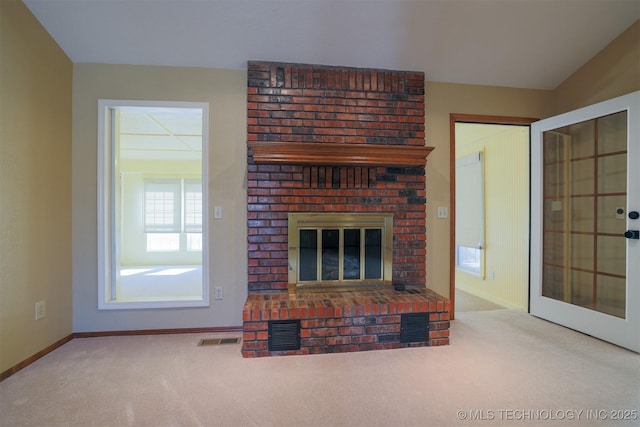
column 615, row 71
column 35, row 186
column 443, row 99
column 225, row 91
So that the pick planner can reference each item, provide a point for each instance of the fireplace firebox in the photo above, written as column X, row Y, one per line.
column 339, row 251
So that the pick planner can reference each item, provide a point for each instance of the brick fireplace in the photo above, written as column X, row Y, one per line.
column 326, row 139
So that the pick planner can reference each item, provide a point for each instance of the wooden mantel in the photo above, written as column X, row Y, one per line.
column 316, row 153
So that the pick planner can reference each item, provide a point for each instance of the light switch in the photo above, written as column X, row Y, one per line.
column 217, row 212
column 443, row 212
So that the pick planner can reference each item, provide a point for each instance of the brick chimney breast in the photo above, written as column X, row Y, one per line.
column 293, row 105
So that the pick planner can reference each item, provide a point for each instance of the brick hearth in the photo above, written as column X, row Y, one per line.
column 348, row 321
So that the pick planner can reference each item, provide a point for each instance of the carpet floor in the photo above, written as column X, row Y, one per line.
column 468, row 302
column 502, row 368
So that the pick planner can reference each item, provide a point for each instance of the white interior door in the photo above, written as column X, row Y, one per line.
column 585, row 199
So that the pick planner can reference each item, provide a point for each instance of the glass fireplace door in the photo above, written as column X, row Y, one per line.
column 340, row 250
column 585, row 250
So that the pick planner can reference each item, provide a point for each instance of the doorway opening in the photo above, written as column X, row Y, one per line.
column 490, row 208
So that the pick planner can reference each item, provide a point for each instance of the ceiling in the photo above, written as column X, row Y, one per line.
column 518, row 43
column 160, row 133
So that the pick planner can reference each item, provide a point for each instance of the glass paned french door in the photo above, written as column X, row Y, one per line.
column 584, row 204
column 585, row 191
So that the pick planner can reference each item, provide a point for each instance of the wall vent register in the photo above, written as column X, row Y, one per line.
column 284, row 335
column 414, row 327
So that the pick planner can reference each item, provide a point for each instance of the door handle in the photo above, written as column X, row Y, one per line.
column 634, row 215
column 632, row 234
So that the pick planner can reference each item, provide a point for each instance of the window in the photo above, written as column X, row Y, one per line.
column 193, row 207
column 468, row 259
column 173, row 214
column 151, row 209
column 162, row 205
column 193, row 214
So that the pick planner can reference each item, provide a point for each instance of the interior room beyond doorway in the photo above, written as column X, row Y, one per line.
column 490, row 250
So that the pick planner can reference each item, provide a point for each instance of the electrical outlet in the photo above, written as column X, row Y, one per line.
column 443, row 212
column 218, row 292
column 41, row 310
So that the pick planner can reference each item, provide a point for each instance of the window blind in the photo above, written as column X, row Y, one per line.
column 192, row 206
column 162, row 206
column 470, row 200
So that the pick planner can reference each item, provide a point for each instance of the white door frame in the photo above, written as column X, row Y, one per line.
column 624, row 332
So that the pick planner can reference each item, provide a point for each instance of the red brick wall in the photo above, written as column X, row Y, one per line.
column 323, row 104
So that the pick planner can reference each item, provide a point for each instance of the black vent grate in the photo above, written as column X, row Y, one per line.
column 414, row 327
column 284, row 335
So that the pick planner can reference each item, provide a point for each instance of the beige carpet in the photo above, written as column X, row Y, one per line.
column 469, row 302
column 503, row 367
